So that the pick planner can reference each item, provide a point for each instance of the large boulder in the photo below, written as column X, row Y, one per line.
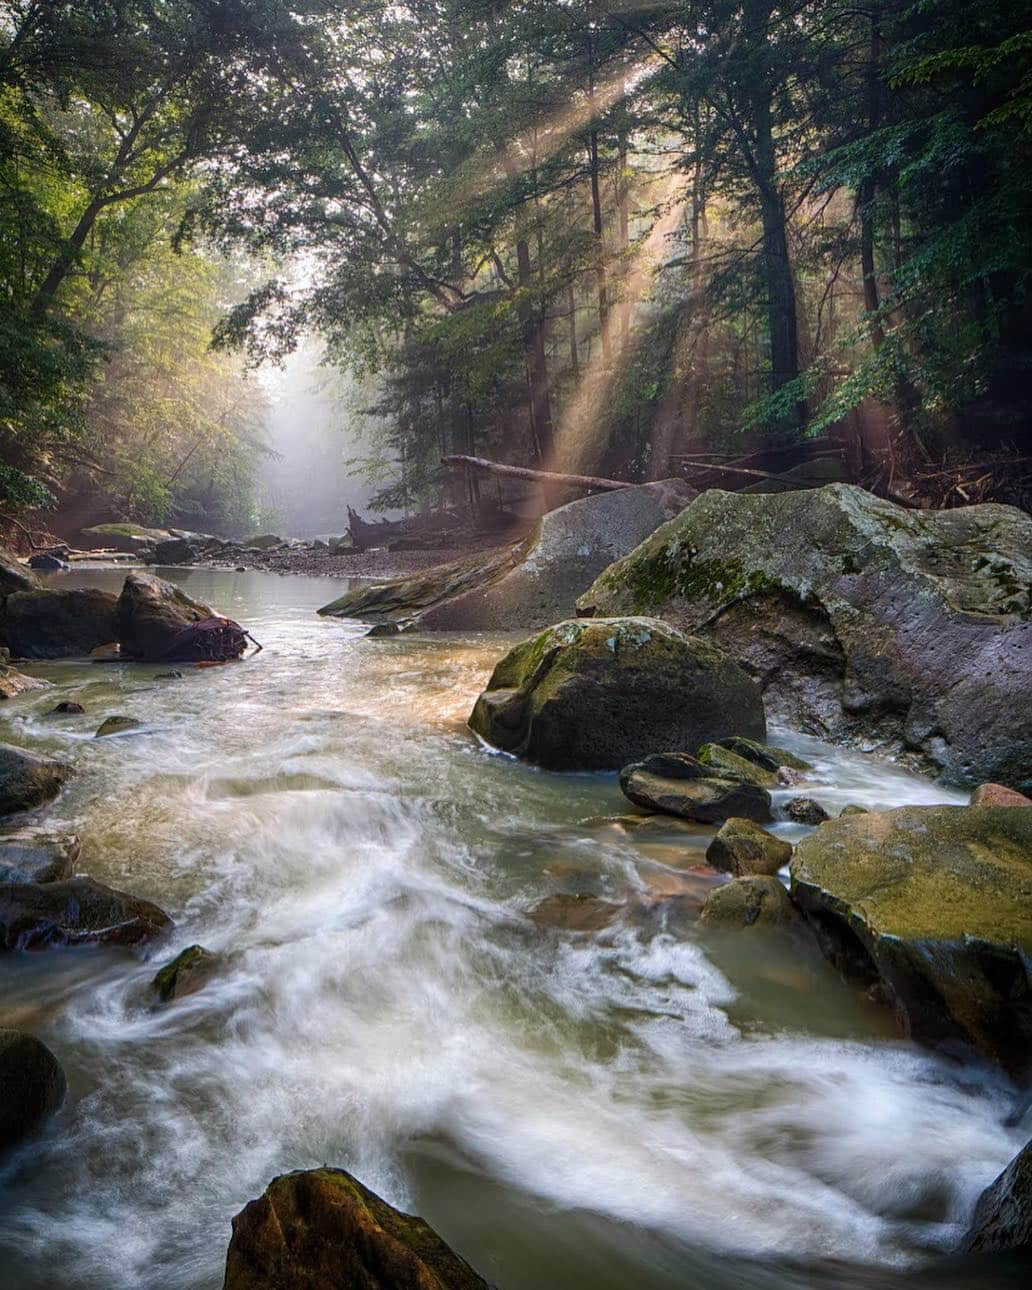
column 32, row 1085
column 13, row 683
column 597, row 695
column 1003, row 1215
column 14, row 576
column 37, row 854
column 26, row 780
column 120, row 537
column 935, row 904
column 77, row 911
column 159, row 622
column 858, row 617
column 321, row 1228
column 58, row 624
column 530, row 584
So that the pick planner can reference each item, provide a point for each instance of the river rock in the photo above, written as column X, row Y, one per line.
column 595, row 696
column 14, row 576
column 527, row 584
column 116, row 725
column 32, row 1085
column 264, row 541
column 13, row 683
column 37, row 854
column 998, row 795
column 766, row 756
column 175, row 550
column 749, row 902
column 27, row 780
column 729, row 765
column 741, row 847
column 706, row 801
column 935, row 904
column 154, row 618
column 67, row 708
column 58, row 624
column 77, row 911
column 321, row 1228
column 804, row 810
column 187, row 973
column 858, row 617
column 1003, row 1215
column 121, row 537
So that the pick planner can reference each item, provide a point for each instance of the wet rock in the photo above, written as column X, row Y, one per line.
column 765, row 756
column 27, row 780
column 597, row 695
column 726, row 764
column 749, row 902
column 13, row 683
column 382, row 630
column 575, row 912
column 168, row 676
column 37, row 854
column 931, row 903
column 187, row 973
column 1003, row 1215
column 853, row 809
column 176, row 550
column 116, row 726
column 858, row 617
column 32, row 1085
column 14, row 576
column 741, row 847
column 77, row 911
column 998, row 795
column 706, row 801
column 804, row 810
column 322, row 1228
column 58, row 624
column 528, row 584
column 67, row 708
column 157, row 622
column 46, row 563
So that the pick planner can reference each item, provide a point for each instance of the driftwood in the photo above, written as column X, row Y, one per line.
column 372, row 533
column 589, row 482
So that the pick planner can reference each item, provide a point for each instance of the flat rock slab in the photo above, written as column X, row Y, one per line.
column 936, row 903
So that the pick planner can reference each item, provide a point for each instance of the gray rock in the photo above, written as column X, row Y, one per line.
column 741, row 848
column 14, row 576
column 77, row 911
column 858, row 617
column 37, row 854
column 26, row 780
column 116, row 725
column 749, row 902
column 46, row 562
column 707, row 801
column 121, row 537
column 1003, row 1215
column 67, row 708
column 58, row 624
column 595, row 696
column 32, row 1085
column 804, row 810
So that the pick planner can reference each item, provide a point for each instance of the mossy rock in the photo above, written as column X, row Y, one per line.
column 804, row 810
column 321, row 1229
column 598, row 695
column 15, row 576
column 935, row 904
column 745, row 903
column 742, row 848
column 187, row 973
column 766, row 756
column 32, row 1085
column 729, row 765
column 706, row 801
column 58, row 624
column 117, row 725
column 121, row 537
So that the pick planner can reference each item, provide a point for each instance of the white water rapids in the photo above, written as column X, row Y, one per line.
column 625, row 1108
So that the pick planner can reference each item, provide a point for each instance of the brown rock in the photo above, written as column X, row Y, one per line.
column 78, row 911
column 750, row 902
column 741, row 847
column 998, row 795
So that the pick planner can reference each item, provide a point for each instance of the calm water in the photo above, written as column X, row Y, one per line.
column 625, row 1108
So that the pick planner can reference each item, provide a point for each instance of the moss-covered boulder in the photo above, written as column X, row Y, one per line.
column 120, row 537
column 26, row 780
column 742, row 848
column 935, row 903
column 729, row 765
column 32, row 1085
column 322, row 1230
column 804, row 810
column 77, row 911
column 58, row 624
column 597, row 695
column 1003, row 1215
column 858, row 617
column 749, row 902
column 766, row 756
column 37, row 854
column 705, row 800
column 188, row 972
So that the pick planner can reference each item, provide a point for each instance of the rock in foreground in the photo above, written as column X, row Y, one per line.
column 321, row 1229
column 157, row 623
column 27, row 780
column 78, row 911
column 1003, row 1215
column 857, row 616
column 32, row 1085
column 935, row 903
column 597, row 695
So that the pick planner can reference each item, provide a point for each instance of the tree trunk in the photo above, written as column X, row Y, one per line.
column 61, row 267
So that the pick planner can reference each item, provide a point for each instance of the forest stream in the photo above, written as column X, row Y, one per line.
column 630, row 1106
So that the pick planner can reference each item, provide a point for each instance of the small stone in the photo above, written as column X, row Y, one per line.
column 749, row 902
column 853, row 809
column 185, row 974
column 67, row 708
column 804, row 810
column 383, row 629
column 240, row 569
column 32, row 1085
column 998, row 795
column 741, row 847
column 116, row 726
column 168, row 676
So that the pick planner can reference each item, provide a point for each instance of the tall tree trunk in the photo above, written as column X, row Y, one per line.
column 571, row 309
column 537, row 360
column 61, row 267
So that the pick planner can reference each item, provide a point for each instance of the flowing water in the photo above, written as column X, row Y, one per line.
column 629, row 1107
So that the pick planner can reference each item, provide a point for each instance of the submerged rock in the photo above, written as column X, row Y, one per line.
column 27, row 780
column 934, row 903
column 32, row 1085
column 67, row 708
column 527, row 584
column 749, row 902
column 37, row 854
column 187, row 973
column 1003, row 1215
column 575, row 912
column 707, row 801
column 116, row 725
column 858, row 617
column 77, row 911
column 47, row 561
column 741, row 847
column 595, row 696
column 804, row 810
column 158, row 622
column 58, row 624
column 322, row 1228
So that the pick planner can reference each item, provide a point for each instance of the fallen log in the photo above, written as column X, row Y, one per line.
column 589, row 482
